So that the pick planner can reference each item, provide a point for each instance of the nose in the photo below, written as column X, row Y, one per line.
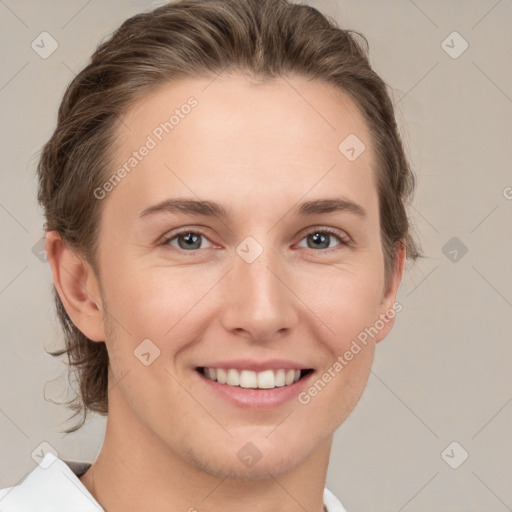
column 259, row 301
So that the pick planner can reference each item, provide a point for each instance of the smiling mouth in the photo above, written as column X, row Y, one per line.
column 267, row 379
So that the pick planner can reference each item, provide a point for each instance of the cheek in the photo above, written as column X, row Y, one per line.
column 343, row 376
column 149, row 302
column 335, row 393
column 348, row 305
column 347, row 302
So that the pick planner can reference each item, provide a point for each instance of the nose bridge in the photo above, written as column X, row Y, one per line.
column 255, row 267
column 259, row 301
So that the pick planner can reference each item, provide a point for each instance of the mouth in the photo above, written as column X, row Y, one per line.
column 251, row 390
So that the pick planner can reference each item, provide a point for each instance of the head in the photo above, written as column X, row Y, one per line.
column 257, row 106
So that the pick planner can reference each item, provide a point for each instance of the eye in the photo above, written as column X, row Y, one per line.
column 187, row 240
column 320, row 238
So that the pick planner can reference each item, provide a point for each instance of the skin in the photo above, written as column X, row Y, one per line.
column 171, row 444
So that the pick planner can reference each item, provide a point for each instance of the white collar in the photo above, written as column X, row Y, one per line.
column 50, row 486
column 54, row 486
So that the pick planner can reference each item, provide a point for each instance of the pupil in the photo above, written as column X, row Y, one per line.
column 322, row 238
column 190, row 239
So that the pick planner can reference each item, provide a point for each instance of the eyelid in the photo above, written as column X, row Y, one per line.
column 170, row 235
column 340, row 233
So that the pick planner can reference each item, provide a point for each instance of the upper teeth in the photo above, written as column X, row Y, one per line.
column 267, row 379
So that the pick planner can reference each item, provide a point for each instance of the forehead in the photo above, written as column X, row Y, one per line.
column 231, row 136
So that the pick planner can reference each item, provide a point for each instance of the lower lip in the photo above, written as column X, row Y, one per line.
column 257, row 398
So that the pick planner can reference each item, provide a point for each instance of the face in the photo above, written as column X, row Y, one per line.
column 282, row 270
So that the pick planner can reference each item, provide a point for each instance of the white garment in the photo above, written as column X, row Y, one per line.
column 53, row 486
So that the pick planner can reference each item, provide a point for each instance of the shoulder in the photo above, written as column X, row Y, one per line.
column 53, row 485
column 331, row 503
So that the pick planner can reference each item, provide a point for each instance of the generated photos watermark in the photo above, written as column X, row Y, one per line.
column 343, row 360
column 152, row 140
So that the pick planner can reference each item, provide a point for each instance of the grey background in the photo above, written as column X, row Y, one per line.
column 444, row 373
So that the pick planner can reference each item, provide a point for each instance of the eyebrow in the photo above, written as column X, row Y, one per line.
column 212, row 209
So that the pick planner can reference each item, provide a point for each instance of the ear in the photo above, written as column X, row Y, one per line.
column 388, row 308
column 77, row 286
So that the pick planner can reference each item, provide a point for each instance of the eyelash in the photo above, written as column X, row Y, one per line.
column 344, row 240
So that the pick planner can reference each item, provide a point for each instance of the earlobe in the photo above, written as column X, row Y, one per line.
column 388, row 304
column 77, row 286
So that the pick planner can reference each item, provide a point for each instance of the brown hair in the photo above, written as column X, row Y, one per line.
column 200, row 38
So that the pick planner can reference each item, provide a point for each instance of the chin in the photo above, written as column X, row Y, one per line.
column 271, row 464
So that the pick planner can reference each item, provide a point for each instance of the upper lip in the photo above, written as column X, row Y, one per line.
column 257, row 366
